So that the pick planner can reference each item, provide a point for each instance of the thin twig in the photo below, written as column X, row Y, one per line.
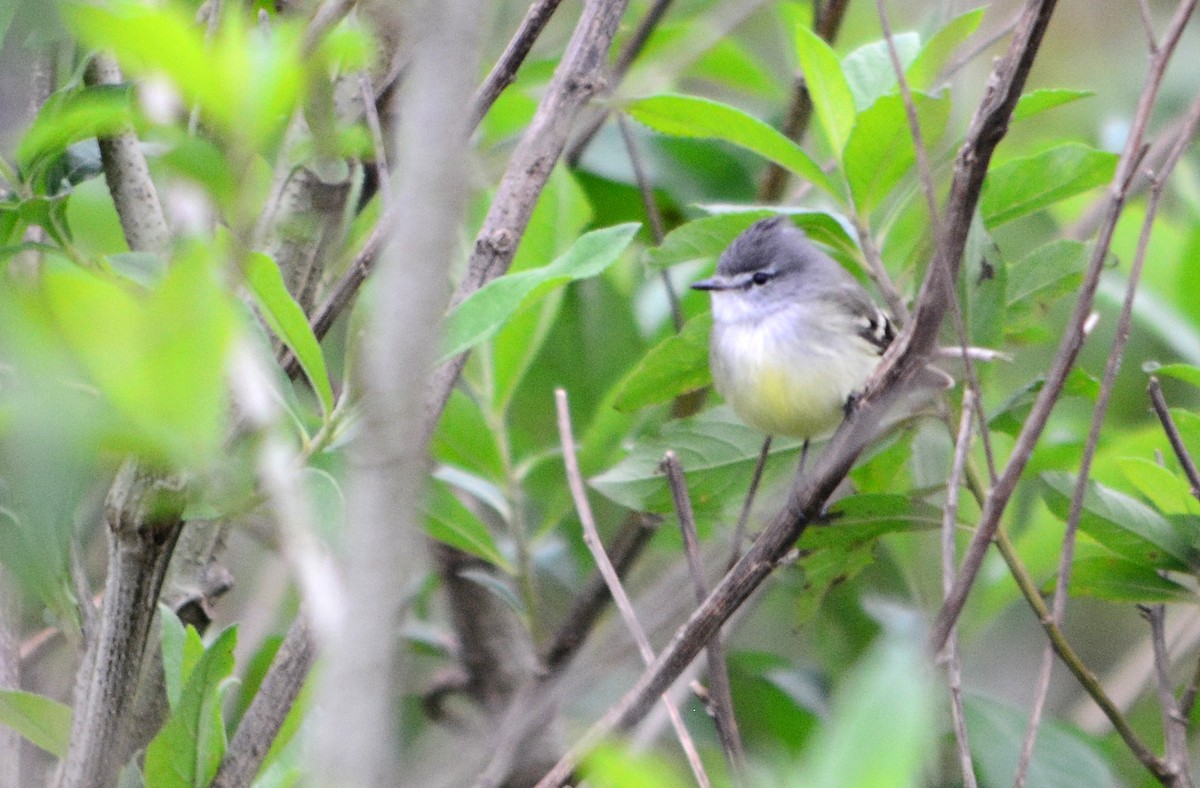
column 626, row 546
column 1168, row 424
column 652, row 214
column 739, row 533
column 505, row 71
column 371, row 113
column 1086, row 678
column 1112, row 367
column 1147, row 26
column 949, row 528
column 1174, row 723
column 720, row 697
column 591, row 537
column 1070, row 346
column 1188, row 700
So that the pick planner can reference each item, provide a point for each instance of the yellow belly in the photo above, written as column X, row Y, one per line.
column 784, row 386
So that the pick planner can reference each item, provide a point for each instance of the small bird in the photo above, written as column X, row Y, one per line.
column 794, row 335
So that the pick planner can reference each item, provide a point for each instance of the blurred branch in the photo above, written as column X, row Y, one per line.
column 904, row 361
column 1077, row 331
column 10, row 675
column 357, row 726
column 142, row 512
column 826, row 24
column 504, row 72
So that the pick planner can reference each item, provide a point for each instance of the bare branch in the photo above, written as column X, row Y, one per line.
column 719, row 698
column 1174, row 723
column 591, row 538
column 962, row 445
column 1172, row 431
column 505, row 71
column 739, row 532
column 266, row 713
column 1071, row 343
column 578, row 77
column 632, row 537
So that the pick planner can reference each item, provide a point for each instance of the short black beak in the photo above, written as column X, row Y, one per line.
column 715, row 283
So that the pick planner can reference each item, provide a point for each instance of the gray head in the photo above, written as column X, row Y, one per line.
column 769, row 266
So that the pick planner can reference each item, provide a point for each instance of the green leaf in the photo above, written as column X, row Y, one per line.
column 1062, row 755
column 159, row 359
column 1046, row 273
column 1185, row 372
column 72, row 116
column 880, row 150
column 188, row 750
column 1166, row 491
column 485, row 311
column 869, row 71
column 286, row 318
column 1038, row 101
column 1022, row 186
column 863, row 518
column 675, row 366
column 1117, row 579
column 925, row 70
column 173, row 635
column 885, row 706
column 45, row 722
column 717, row 453
column 449, row 521
column 985, row 282
column 688, row 116
column 831, row 97
column 1120, row 523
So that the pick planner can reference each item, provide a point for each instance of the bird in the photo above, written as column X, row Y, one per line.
column 795, row 336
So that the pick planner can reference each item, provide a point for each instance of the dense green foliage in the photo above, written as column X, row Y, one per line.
column 108, row 352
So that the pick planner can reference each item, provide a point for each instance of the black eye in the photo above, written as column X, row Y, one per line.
column 761, row 277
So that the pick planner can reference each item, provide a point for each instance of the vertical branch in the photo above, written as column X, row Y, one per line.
column 949, row 526
column 142, row 512
column 356, row 734
column 10, row 676
column 1174, row 723
column 719, row 695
